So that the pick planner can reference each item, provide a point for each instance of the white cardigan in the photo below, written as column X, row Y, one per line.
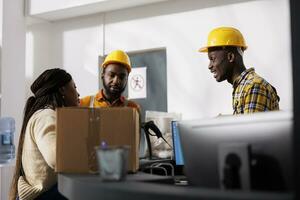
column 39, row 155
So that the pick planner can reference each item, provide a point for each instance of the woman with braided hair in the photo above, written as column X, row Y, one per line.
column 34, row 176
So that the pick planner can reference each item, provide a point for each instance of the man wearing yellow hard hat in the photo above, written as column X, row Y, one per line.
column 251, row 93
column 115, row 70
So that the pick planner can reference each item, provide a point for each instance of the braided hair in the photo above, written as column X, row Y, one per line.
column 46, row 94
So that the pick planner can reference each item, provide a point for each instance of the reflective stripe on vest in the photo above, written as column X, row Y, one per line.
column 92, row 99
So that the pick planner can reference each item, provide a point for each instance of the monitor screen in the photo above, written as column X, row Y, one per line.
column 257, row 146
column 177, row 150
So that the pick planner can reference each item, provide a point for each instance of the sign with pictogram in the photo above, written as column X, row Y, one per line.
column 137, row 83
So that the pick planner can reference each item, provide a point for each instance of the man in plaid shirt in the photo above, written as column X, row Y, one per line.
column 251, row 93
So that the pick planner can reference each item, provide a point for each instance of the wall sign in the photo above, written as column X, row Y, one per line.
column 137, row 83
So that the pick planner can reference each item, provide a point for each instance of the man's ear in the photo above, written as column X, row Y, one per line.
column 102, row 73
column 230, row 57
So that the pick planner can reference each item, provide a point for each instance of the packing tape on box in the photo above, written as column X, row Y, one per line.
column 93, row 139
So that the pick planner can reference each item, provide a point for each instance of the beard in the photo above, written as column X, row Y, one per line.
column 112, row 92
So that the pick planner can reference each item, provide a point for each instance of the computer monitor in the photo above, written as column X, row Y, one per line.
column 261, row 143
column 177, row 149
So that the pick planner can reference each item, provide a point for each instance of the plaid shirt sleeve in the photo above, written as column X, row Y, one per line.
column 257, row 99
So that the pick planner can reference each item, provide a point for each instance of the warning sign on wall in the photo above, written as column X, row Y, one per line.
column 137, row 83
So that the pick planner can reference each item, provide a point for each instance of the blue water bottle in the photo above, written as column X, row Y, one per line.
column 7, row 147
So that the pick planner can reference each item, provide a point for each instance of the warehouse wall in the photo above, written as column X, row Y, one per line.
column 181, row 27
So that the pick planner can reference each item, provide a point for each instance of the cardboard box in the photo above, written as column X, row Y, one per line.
column 79, row 130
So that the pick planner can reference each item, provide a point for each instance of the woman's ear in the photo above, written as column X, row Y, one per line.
column 62, row 91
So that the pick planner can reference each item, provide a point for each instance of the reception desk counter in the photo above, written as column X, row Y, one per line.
column 143, row 186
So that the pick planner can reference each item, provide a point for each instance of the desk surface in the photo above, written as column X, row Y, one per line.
column 148, row 187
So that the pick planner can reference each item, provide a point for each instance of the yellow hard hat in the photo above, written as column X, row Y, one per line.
column 224, row 36
column 118, row 56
